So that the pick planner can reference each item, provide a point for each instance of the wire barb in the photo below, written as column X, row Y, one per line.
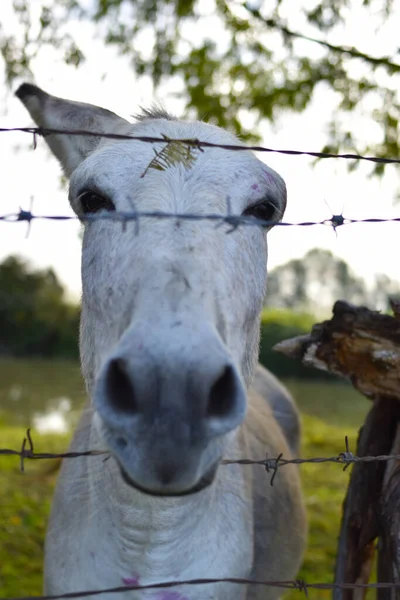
column 272, row 464
column 302, row 586
column 347, row 456
column 337, row 221
column 30, row 453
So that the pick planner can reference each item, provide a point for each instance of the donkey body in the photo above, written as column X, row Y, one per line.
column 169, row 341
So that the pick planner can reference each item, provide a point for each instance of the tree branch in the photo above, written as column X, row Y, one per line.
column 376, row 61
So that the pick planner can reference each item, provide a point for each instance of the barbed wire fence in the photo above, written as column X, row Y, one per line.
column 297, row 584
column 271, row 465
column 345, row 458
column 232, row 220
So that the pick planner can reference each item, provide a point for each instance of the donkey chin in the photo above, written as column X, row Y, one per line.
column 161, row 466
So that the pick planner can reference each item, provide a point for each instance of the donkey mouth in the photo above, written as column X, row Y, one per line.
column 205, row 481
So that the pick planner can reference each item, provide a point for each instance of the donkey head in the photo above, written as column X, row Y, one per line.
column 170, row 307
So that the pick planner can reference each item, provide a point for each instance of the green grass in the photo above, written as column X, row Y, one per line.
column 324, row 487
column 25, row 500
column 329, row 412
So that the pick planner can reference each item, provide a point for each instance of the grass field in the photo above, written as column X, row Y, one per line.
column 329, row 412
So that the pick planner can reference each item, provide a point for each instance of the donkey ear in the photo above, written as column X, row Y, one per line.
column 56, row 113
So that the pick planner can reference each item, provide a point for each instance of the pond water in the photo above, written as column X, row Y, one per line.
column 42, row 394
column 48, row 396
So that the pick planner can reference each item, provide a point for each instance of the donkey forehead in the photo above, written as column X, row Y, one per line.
column 118, row 162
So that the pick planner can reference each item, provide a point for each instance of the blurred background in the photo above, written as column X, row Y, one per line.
column 316, row 75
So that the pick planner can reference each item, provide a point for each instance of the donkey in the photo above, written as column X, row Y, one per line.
column 169, row 343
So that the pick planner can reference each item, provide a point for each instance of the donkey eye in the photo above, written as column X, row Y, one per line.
column 265, row 211
column 92, row 202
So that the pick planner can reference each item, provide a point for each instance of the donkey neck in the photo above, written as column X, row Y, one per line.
column 151, row 538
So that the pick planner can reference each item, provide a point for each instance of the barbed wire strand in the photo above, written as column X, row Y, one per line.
column 345, row 458
column 234, row 221
column 192, row 142
column 298, row 584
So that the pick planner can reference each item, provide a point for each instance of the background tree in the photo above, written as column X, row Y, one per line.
column 259, row 65
column 315, row 281
column 35, row 319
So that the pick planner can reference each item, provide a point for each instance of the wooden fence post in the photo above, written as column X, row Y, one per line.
column 364, row 346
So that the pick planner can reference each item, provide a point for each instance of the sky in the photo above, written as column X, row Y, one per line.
column 314, row 193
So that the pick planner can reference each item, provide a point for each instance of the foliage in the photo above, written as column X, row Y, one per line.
column 25, row 500
column 324, row 490
column 172, row 154
column 34, row 315
column 257, row 65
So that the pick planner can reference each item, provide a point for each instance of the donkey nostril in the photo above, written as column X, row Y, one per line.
column 119, row 387
column 222, row 398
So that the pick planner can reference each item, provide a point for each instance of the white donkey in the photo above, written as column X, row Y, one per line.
column 169, row 341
